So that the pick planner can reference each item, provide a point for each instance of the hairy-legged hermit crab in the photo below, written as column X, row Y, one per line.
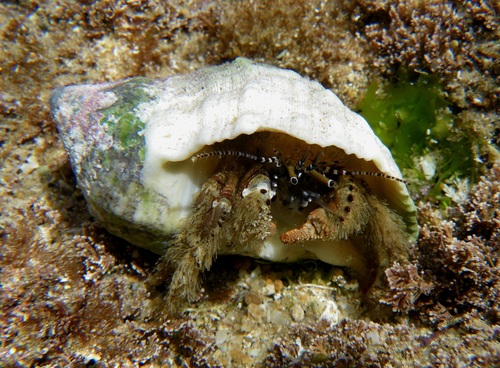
column 242, row 158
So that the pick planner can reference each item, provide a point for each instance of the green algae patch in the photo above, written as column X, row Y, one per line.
column 407, row 115
column 415, row 121
column 123, row 124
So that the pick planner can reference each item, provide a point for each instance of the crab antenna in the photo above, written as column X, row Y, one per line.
column 273, row 160
column 301, row 163
column 366, row 173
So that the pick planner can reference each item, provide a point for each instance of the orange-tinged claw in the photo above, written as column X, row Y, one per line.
column 316, row 227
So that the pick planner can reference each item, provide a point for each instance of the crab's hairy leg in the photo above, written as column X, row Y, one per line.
column 194, row 248
column 205, row 228
column 251, row 220
column 181, row 260
column 383, row 242
column 185, row 276
column 376, row 231
column 387, row 234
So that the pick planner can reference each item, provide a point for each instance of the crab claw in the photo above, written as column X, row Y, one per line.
column 316, row 227
column 355, row 226
column 346, row 213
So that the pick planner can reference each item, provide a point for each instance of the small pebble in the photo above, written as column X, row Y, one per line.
column 221, row 337
column 297, row 313
column 268, row 290
column 278, row 317
column 257, row 312
column 374, row 337
column 253, row 297
column 278, row 285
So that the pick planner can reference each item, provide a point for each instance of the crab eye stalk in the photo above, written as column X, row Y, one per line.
column 294, row 180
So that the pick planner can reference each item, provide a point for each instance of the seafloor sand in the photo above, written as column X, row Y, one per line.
column 73, row 295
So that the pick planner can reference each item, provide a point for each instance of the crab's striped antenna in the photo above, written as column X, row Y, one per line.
column 296, row 172
column 331, row 171
column 272, row 160
column 368, row 173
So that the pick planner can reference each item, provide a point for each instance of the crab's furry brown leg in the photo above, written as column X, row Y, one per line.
column 192, row 250
column 383, row 242
column 387, row 235
column 251, row 220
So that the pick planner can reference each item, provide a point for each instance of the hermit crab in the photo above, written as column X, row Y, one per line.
column 242, row 158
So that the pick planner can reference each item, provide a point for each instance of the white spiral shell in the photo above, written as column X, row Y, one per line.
column 130, row 142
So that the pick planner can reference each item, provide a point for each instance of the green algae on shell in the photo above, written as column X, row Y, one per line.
column 103, row 137
column 130, row 144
